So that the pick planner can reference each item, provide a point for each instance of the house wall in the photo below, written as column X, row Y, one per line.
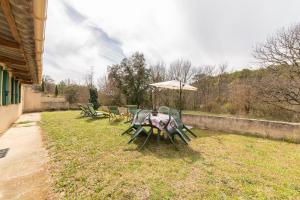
column 263, row 128
column 10, row 113
column 31, row 101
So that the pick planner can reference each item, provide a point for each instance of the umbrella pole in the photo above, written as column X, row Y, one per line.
column 180, row 94
column 153, row 99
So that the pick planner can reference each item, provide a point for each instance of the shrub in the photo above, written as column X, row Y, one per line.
column 230, row 108
column 94, row 98
column 71, row 93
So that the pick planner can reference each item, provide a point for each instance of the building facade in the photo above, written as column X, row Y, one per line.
column 22, row 25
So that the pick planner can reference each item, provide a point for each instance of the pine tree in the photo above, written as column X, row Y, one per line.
column 94, row 98
column 56, row 90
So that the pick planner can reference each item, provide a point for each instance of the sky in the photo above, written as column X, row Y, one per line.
column 80, row 34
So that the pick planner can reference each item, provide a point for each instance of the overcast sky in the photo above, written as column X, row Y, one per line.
column 80, row 34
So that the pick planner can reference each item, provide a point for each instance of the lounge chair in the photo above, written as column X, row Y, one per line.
column 114, row 112
column 85, row 112
column 93, row 113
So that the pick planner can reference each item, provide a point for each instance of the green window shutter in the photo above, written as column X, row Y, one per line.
column 1, row 82
column 12, row 90
column 20, row 86
column 5, row 91
column 16, row 91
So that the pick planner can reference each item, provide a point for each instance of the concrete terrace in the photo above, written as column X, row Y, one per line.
column 23, row 169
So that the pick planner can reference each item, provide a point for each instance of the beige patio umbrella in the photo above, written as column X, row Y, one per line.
column 175, row 85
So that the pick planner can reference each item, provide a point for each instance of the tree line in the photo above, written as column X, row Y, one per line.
column 271, row 91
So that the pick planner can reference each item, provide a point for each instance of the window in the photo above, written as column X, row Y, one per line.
column 5, row 88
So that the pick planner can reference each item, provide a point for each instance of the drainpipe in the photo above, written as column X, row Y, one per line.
column 39, row 15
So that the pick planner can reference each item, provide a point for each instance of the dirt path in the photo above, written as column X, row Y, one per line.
column 23, row 171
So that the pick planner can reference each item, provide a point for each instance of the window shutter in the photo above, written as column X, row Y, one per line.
column 5, row 91
column 20, row 87
column 12, row 90
column 16, row 92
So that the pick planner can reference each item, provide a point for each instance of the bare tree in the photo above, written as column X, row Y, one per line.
column 106, row 87
column 48, row 84
column 243, row 95
column 283, row 49
column 222, row 70
column 182, row 70
column 89, row 77
column 204, row 82
column 281, row 56
column 158, row 72
column 102, row 82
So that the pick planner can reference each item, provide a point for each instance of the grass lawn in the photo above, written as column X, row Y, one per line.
column 90, row 160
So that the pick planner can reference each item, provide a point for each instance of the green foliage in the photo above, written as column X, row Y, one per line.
column 229, row 108
column 94, row 98
column 71, row 93
column 132, row 77
column 56, row 91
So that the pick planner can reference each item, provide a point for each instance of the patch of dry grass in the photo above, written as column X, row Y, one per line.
column 90, row 160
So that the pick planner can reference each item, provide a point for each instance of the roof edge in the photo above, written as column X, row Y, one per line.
column 40, row 16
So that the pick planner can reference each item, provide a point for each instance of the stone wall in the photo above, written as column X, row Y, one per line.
column 49, row 103
column 264, row 128
column 32, row 99
column 35, row 101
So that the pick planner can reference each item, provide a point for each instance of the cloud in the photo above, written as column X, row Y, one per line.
column 76, row 16
column 74, row 43
column 113, row 51
column 80, row 34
